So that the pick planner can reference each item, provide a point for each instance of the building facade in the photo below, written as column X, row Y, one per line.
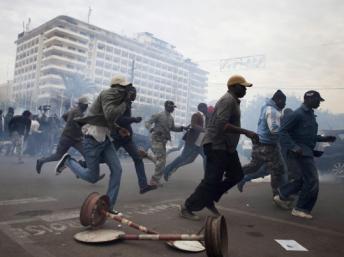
column 5, row 95
column 65, row 58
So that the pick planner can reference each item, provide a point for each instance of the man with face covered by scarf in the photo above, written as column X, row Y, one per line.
column 100, row 120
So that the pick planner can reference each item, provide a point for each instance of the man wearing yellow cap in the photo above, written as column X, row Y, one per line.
column 223, row 168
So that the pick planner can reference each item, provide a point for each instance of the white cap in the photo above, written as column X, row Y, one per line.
column 120, row 80
column 83, row 100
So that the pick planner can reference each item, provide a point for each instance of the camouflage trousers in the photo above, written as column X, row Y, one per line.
column 159, row 150
column 17, row 144
column 271, row 156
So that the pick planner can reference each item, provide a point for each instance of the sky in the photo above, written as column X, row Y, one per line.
column 302, row 41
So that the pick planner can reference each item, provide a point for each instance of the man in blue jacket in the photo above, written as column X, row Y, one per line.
column 300, row 133
column 268, row 151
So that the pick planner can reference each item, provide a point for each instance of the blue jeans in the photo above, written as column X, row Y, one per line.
column 94, row 154
column 131, row 149
column 306, row 184
column 188, row 155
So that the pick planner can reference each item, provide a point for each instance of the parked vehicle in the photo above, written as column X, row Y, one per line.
column 332, row 160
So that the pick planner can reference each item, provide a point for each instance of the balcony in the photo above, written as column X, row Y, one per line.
column 61, row 31
column 52, row 86
column 60, row 69
column 59, row 50
column 62, row 60
column 60, row 40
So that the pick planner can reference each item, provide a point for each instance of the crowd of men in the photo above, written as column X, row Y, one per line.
column 283, row 145
column 19, row 134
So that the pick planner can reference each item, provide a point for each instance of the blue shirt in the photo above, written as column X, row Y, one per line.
column 269, row 123
column 299, row 130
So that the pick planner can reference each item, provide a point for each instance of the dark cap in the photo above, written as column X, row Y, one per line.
column 170, row 103
column 313, row 94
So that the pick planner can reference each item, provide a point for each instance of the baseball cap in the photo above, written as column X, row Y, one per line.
column 120, row 80
column 168, row 102
column 83, row 100
column 238, row 80
column 313, row 94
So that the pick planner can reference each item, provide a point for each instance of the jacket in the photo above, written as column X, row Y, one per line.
column 72, row 129
column 269, row 123
column 163, row 124
column 20, row 124
column 227, row 109
column 197, row 126
column 299, row 130
column 106, row 109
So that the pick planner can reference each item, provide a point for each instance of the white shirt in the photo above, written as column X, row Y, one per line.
column 35, row 127
column 99, row 133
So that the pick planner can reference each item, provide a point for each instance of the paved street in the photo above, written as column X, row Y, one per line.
column 39, row 215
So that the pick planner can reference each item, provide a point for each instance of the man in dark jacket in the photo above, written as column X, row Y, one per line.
column 223, row 167
column 128, row 144
column 300, row 132
column 19, row 128
column 193, row 139
column 71, row 135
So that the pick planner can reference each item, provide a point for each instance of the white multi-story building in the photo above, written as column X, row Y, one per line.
column 65, row 58
column 5, row 95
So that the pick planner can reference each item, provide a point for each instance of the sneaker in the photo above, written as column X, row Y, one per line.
column 185, row 213
column 240, row 186
column 212, row 208
column 61, row 164
column 148, row 188
column 39, row 165
column 301, row 214
column 115, row 212
column 285, row 205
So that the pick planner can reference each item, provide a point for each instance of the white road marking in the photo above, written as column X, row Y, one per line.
column 291, row 245
column 27, row 200
column 58, row 216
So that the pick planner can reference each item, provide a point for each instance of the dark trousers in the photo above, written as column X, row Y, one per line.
column 306, row 183
column 271, row 157
column 222, row 172
column 131, row 149
column 64, row 144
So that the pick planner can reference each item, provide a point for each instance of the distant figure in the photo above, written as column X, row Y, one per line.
column 193, row 141
column 161, row 133
column 71, row 135
column 19, row 128
column 300, row 130
column 32, row 148
column 45, row 127
column 8, row 117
